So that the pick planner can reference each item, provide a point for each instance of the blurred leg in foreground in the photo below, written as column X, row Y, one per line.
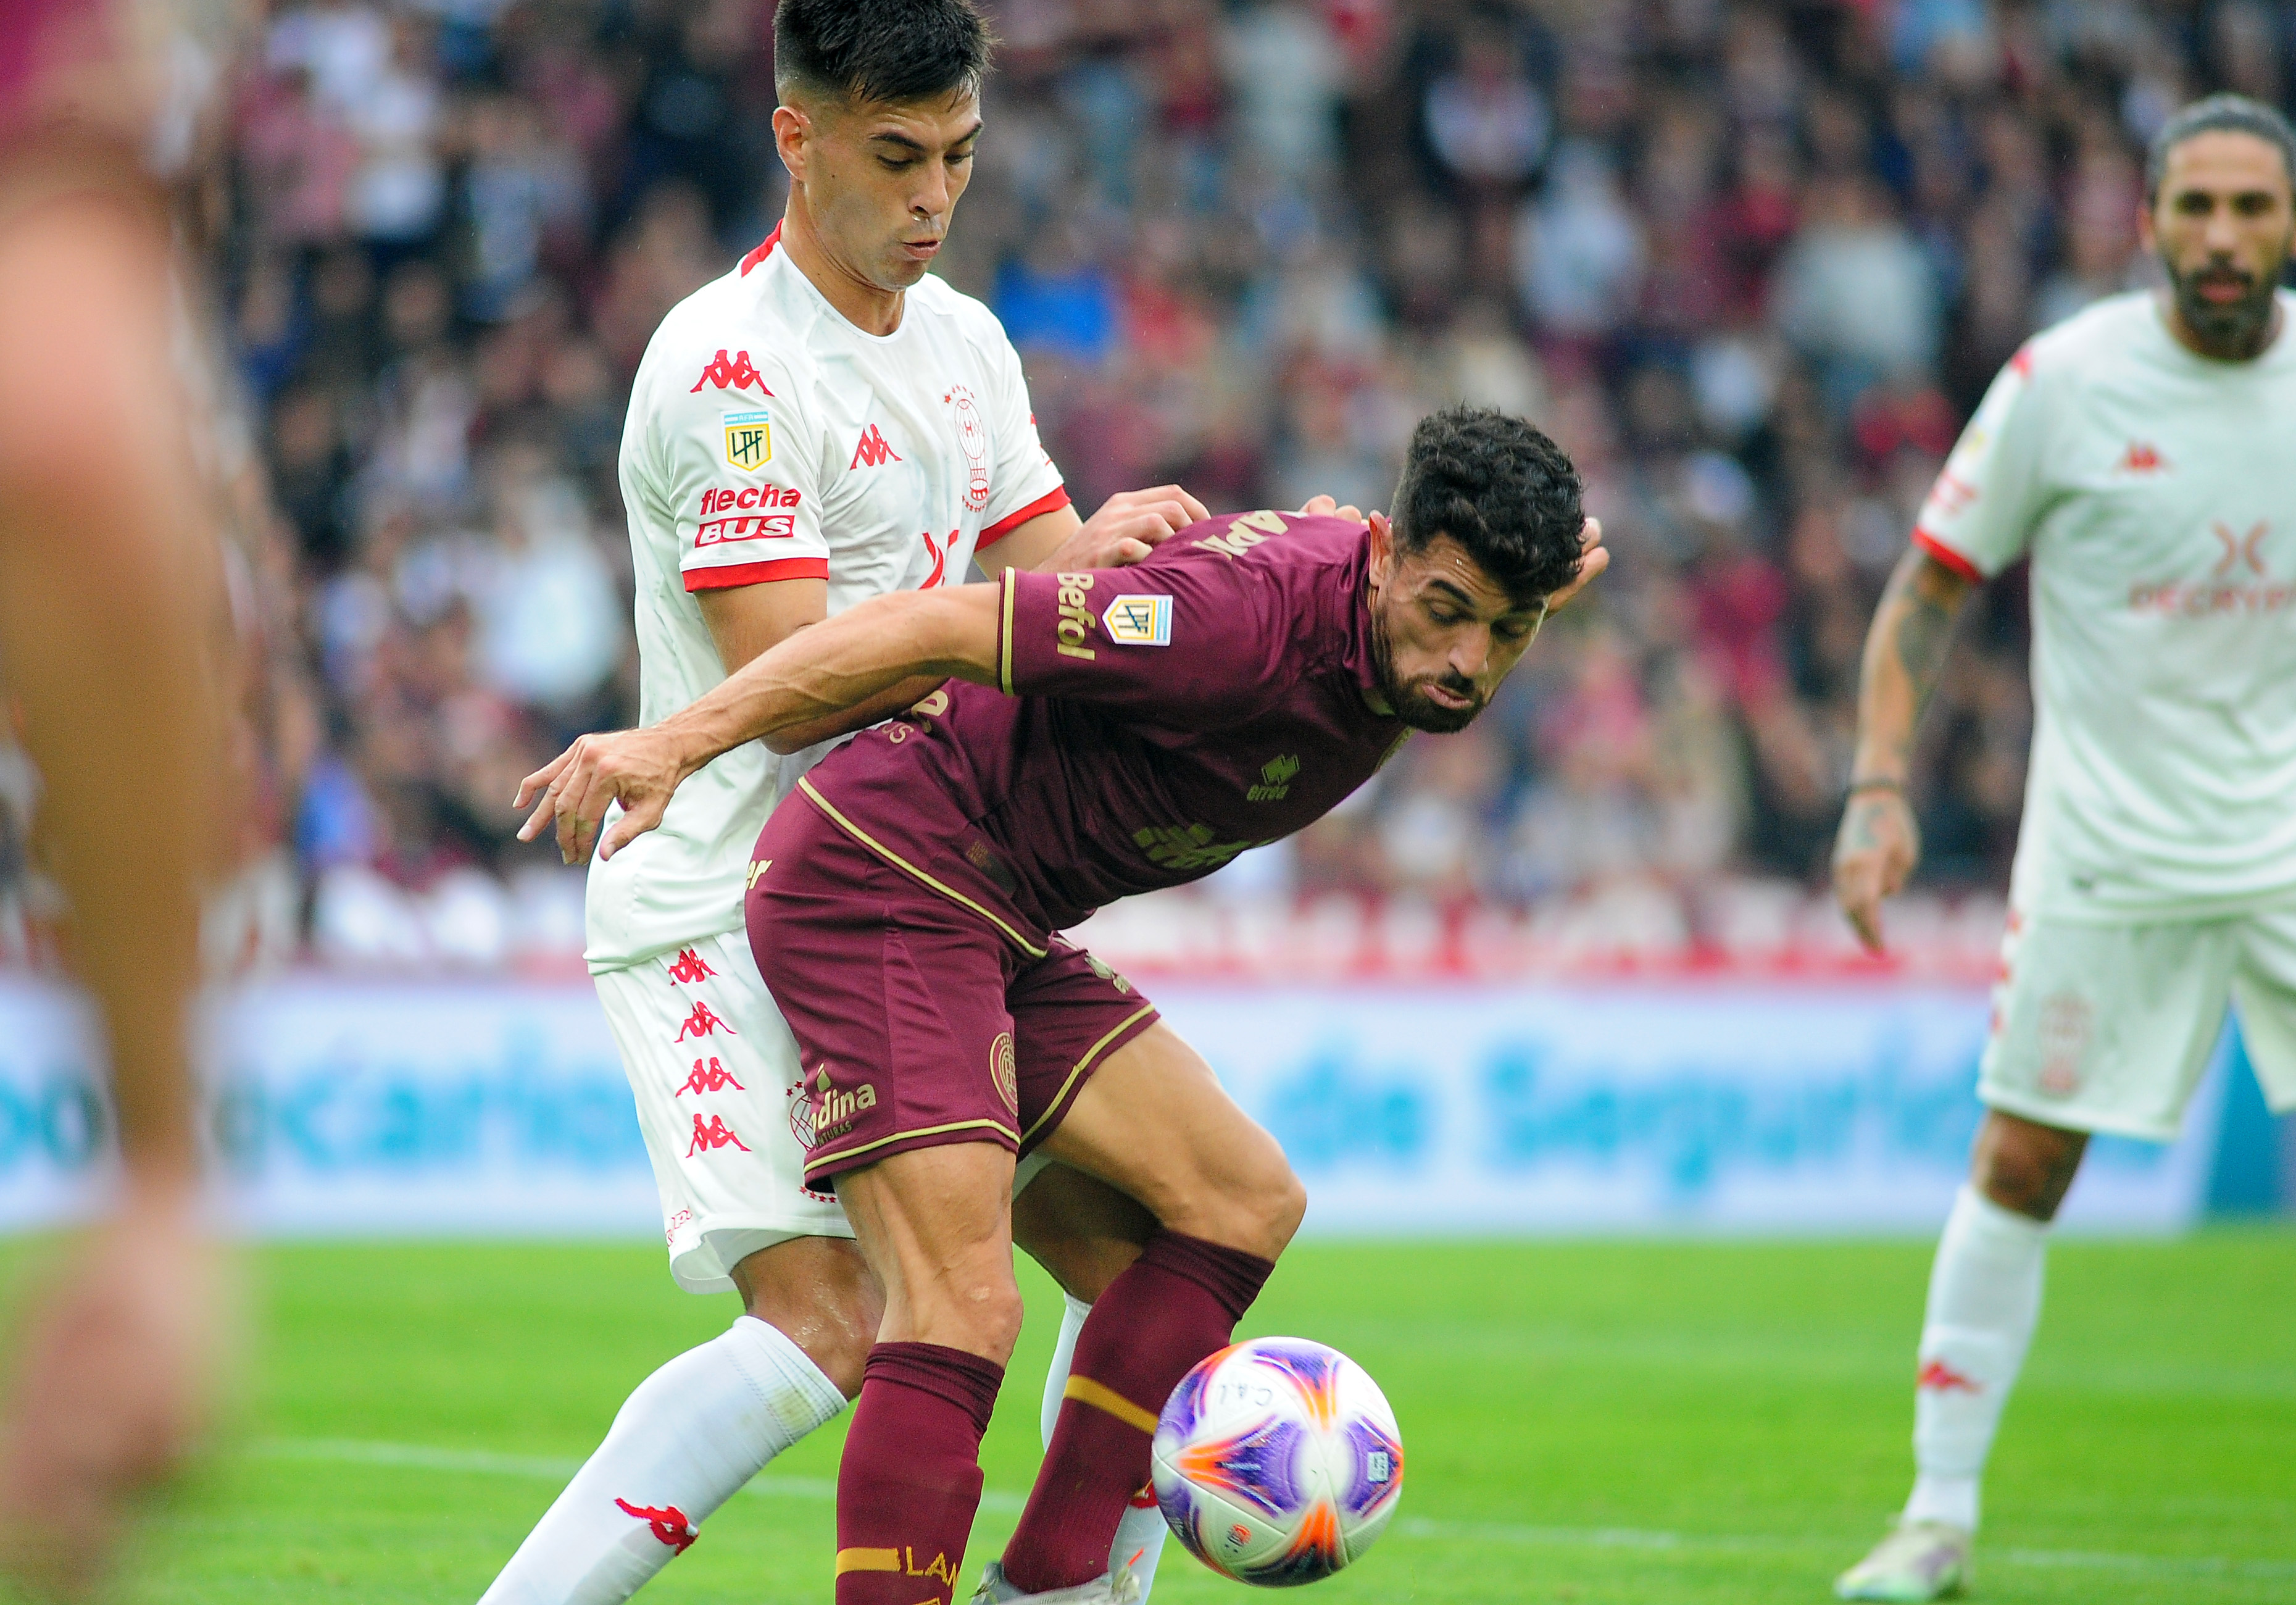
column 107, row 574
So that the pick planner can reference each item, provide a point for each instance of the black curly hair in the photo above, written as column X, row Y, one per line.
column 893, row 50
column 1500, row 487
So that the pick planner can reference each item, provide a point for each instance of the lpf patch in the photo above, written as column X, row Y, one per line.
column 1138, row 620
column 1006, row 1072
column 749, row 440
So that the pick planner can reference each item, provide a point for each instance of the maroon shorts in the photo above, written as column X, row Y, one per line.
column 917, row 1022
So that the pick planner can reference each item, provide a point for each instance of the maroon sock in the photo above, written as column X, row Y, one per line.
column 910, row 1481
column 1179, row 1302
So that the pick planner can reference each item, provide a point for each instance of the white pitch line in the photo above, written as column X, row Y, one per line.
column 483, row 1462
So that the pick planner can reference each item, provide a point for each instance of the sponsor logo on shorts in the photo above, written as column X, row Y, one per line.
column 801, row 1112
column 668, row 1524
column 2068, row 1021
column 1139, row 621
column 1073, row 626
column 690, row 968
column 749, row 440
column 836, row 1109
column 676, row 1224
column 709, row 1076
column 712, row 1134
column 704, row 1022
column 1005, row 1072
column 1108, row 973
column 1276, row 777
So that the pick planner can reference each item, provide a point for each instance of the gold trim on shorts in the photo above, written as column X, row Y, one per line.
column 814, row 1162
column 1082, row 1064
column 805, row 783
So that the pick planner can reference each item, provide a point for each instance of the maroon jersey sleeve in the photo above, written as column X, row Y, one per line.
column 1201, row 645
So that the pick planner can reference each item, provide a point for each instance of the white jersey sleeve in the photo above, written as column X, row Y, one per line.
column 1023, row 482
column 738, row 467
column 1980, row 515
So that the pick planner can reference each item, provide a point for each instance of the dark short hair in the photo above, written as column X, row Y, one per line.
column 2218, row 114
column 1496, row 484
column 881, row 50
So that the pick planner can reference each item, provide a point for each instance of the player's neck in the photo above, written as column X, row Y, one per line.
column 865, row 305
column 2244, row 350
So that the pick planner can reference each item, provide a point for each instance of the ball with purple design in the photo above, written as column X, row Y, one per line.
column 1277, row 1462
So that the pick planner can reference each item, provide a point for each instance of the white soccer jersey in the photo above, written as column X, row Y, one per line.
column 768, row 439
column 2155, row 490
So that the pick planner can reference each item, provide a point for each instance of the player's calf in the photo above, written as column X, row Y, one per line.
column 819, row 1293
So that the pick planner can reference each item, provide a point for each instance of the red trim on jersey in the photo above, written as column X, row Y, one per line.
column 1004, row 526
column 729, row 575
column 764, row 251
column 1946, row 555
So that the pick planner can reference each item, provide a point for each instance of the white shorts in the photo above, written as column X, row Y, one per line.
column 714, row 1070
column 2109, row 1028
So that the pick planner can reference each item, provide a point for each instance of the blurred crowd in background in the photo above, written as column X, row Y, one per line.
column 1750, row 263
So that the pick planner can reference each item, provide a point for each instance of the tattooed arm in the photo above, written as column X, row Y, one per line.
column 1879, row 844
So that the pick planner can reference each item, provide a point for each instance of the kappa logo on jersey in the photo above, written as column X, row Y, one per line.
column 737, row 374
column 1139, row 621
column 2142, row 457
column 1952, row 495
column 691, row 967
column 973, row 439
column 704, row 1022
column 1274, row 779
column 712, row 1134
column 709, row 1076
column 1073, row 625
column 668, row 1524
column 1938, row 1377
column 749, row 440
column 875, row 451
column 1243, row 534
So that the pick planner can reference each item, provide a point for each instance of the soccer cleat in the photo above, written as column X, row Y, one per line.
column 1120, row 1588
column 1919, row 1561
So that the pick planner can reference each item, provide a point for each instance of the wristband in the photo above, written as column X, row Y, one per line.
column 1855, row 786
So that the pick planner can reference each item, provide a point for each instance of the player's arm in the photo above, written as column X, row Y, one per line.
column 1979, row 518
column 1879, row 842
column 822, row 672
column 1131, row 524
column 108, row 578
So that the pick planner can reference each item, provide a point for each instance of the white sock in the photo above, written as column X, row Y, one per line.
column 1140, row 1536
column 683, row 1445
column 1985, row 1299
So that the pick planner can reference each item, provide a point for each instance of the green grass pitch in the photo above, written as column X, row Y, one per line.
column 1592, row 1421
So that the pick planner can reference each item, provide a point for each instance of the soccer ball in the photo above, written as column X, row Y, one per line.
column 1277, row 1462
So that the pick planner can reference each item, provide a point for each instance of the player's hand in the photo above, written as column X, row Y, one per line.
column 1129, row 525
column 117, row 1378
column 638, row 769
column 1328, row 506
column 1594, row 557
column 1875, row 851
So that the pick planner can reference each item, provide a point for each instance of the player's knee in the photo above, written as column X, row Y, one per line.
column 2025, row 1166
column 1270, row 1205
column 990, row 1316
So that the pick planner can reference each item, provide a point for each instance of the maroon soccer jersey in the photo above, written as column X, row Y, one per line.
column 1153, row 722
